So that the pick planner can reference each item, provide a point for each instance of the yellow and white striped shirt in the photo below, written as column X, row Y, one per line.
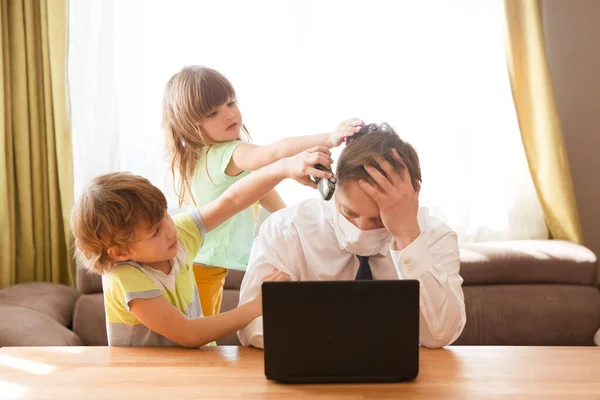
column 130, row 280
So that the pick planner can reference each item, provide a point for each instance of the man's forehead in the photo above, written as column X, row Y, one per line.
column 354, row 199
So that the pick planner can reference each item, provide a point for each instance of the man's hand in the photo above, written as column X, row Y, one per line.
column 397, row 199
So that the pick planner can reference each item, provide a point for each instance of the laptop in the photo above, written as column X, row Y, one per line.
column 341, row 331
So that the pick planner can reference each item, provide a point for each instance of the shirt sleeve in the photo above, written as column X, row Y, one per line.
column 434, row 260
column 190, row 230
column 270, row 249
column 218, row 158
column 121, row 286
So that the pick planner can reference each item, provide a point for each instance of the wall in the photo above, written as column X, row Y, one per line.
column 572, row 34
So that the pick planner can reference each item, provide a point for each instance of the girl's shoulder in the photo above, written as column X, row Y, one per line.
column 222, row 146
column 216, row 154
column 210, row 171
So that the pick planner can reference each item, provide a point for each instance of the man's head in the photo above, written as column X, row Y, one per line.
column 119, row 217
column 372, row 141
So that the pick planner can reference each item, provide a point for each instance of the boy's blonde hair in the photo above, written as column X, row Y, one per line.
column 189, row 97
column 111, row 211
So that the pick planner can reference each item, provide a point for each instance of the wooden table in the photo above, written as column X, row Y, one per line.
column 237, row 372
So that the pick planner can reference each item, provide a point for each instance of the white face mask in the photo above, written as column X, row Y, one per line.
column 356, row 241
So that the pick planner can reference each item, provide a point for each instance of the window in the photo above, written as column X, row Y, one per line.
column 435, row 70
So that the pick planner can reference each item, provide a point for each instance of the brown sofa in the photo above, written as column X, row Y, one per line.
column 516, row 293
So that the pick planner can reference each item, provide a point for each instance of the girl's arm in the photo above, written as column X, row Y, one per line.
column 257, row 185
column 163, row 318
column 272, row 202
column 251, row 157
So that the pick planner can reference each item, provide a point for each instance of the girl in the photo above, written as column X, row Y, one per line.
column 209, row 149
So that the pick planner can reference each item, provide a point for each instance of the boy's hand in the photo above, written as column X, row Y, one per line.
column 344, row 129
column 302, row 166
column 274, row 276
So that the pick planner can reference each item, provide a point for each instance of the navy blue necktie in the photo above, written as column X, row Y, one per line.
column 364, row 269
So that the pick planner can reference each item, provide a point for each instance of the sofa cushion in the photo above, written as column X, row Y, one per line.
column 533, row 261
column 234, row 279
column 231, row 296
column 88, row 282
column 230, row 301
column 89, row 321
column 30, row 327
column 531, row 315
column 51, row 299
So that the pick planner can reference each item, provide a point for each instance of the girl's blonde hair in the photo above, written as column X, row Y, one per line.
column 190, row 95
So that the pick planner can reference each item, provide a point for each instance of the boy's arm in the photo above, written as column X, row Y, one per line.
column 162, row 317
column 251, row 334
column 251, row 157
column 272, row 202
column 254, row 187
column 272, row 249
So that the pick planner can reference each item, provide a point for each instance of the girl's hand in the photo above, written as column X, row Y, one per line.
column 302, row 166
column 344, row 129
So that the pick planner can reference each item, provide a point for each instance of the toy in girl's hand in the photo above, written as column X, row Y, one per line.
column 366, row 129
column 326, row 187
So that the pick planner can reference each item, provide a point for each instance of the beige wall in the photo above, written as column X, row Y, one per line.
column 572, row 33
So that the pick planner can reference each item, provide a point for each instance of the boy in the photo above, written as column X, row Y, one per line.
column 122, row 231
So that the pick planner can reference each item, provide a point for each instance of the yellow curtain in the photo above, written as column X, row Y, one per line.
column 36, row 173
column 538, row 118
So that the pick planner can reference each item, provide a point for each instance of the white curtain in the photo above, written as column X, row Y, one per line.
column 434, row 69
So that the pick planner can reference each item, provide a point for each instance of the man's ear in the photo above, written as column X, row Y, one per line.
column 417, row 186
column 118, row 254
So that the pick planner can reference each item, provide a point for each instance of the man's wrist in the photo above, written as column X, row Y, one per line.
column 405, row 238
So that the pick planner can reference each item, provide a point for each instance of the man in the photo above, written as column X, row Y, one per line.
column 373, row 229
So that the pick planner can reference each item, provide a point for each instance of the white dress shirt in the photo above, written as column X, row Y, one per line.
column 300, row 240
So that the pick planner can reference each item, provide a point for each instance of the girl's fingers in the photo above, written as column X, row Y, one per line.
column 320, row 149
column 318, row 173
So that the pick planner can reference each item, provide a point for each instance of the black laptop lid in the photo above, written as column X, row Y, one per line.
column 341, row 330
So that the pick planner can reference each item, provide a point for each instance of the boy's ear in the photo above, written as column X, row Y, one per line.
column 118, row 254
